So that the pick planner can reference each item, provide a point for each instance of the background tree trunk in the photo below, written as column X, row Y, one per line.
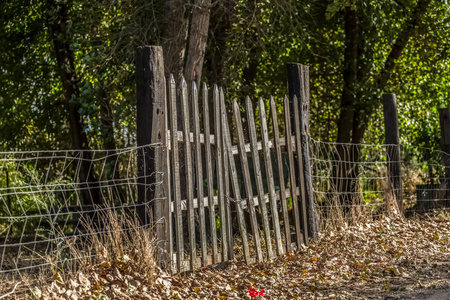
column 356, row 110
column 69, row 82
column 217, row 51
column 106, row 119
column 343, row 169
column 198, row 38
column 107, row 131
column 175, row 37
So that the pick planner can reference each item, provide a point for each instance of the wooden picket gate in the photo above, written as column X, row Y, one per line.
column 203, row 189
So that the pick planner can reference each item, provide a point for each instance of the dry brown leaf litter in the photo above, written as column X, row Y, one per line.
column 367, row 261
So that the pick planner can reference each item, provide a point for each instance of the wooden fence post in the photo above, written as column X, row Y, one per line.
column 444, row 120
column 392, row 141
column 151, row 124
column 298, row 85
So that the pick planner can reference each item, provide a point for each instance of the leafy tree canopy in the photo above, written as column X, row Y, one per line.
column 356, row 51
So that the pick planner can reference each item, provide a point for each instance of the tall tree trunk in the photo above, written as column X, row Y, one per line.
column 348, row 97
column 363, row 111
column 216, row 57
column 198, row 37
column 109, row 144
column 175, row 37
column 343, row 168
column 174, row 51
column 250, row 71
column 220, row 29
column 69, row 82
column 355, row 113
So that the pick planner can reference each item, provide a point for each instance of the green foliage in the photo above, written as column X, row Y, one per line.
column 289, row 202
column 24, row 195
column 260, row 37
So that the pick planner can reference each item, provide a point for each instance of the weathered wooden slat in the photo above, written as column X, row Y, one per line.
column 304, row 220
column 270, row 178
column 287, row 121
column 188, row 168
column 185, row 263
column 235, row 186
column 209, row 174
column 258, row 176
column 234, row 149
column 176, row 174
column 167, row 206
column 199, row 171
column 282, row 197
column 298, row 85
column 226, row 183
column 219, row 169
column 247, row 180
column 205, row 201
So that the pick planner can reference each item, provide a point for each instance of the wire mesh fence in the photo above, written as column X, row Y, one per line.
column 52, row 202
column 351, row 182
column 52, row 199
column 425, row 179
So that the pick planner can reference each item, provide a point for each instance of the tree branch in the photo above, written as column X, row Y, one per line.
column 407, row 32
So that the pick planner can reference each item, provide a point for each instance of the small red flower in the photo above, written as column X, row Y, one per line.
column 255, row 292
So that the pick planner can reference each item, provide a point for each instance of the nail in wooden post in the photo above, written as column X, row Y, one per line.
column 298, row 85
column 151, row 129
column 392, row 141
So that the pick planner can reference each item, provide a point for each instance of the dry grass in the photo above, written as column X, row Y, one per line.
column 116, row 244
column 116, row 259
column 354, row 261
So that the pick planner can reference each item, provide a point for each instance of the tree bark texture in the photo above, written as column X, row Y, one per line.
column 345, row 124
column 250, row 72
column 392, row 140
column 175, row 37
column 198, row 38
column 343, row 169
column 219, row 37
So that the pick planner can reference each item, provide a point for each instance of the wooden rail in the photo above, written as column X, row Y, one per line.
column 209, row 202
column 234, row 148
